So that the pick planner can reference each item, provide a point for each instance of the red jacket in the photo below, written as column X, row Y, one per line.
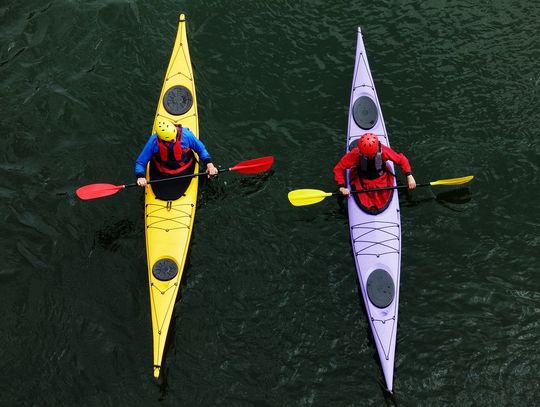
column 352, row 160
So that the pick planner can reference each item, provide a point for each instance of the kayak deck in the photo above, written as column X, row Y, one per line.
column 169, row 223
column 375, row 238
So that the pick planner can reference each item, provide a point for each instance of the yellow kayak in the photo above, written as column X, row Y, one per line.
column 169, row 222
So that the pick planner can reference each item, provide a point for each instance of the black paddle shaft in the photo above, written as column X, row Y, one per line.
column 198, row 174
column 384, row 188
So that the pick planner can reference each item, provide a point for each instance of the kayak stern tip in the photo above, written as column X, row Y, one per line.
column 389, row 382
column 157, row 371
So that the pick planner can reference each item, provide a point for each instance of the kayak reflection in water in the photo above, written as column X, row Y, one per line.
column 170, row 152
column 368, row 164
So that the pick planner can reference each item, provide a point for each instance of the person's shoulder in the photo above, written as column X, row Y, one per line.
column 187, row 134
column 152, row 140
column 384, row 148
column 353, row 151
column 187, row 130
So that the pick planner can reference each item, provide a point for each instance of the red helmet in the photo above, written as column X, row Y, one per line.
column 368, row 145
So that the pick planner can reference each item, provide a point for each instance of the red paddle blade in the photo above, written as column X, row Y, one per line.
column 254, row 166
column 94, row 191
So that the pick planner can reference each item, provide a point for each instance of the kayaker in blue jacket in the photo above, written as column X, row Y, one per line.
column 171, row 151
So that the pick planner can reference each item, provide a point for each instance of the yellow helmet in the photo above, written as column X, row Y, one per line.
column 166, row 130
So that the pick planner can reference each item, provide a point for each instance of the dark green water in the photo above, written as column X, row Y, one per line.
column 270, row 312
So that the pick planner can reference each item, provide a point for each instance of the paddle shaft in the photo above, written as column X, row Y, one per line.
column 198, row 174
column 383, row 189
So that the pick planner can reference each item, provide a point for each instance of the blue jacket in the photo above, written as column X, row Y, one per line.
column 151, row 147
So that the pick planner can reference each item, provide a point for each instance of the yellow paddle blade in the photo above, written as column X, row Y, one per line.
column 453, row 181
column 301, row 197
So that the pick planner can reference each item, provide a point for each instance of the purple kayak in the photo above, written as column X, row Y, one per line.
column 375, row 237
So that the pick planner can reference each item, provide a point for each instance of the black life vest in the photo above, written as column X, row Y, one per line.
column 173, row 160
column 371, row 168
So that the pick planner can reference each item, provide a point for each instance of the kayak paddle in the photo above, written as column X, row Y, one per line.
column 301, row 197
column 253, row 166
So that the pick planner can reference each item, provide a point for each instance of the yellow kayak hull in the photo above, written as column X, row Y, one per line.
column 168, row 224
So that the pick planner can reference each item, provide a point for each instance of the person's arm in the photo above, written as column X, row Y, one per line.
column 403, row 162
column 195, row 144
column 348, row 161
column 142, row 161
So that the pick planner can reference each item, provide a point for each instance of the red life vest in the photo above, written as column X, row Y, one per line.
column 173, row 160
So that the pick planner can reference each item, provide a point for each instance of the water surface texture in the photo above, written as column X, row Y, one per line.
column 269, row 312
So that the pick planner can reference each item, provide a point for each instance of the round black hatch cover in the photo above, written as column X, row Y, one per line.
column 177, row 100
column 165, row 269
column 380, row 288
column 365, row 112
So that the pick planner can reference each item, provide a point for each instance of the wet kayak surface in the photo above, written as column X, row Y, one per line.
column 269, row 311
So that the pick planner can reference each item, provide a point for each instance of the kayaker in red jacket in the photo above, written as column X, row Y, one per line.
column 367, row 163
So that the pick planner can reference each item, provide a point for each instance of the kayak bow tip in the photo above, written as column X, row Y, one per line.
column 157, row 371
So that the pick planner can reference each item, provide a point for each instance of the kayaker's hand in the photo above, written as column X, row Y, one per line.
column 211, row 170
column 411, row 183
column 142, row 182
column 344, row 191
